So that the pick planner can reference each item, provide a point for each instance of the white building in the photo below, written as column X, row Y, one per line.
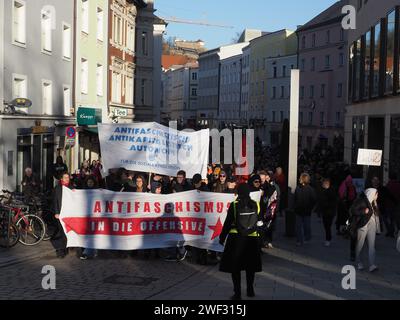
column 278, row 95
column 229, row 93
column 209, row 75
column 36, row 62
column 245, row 86
column 180, row 85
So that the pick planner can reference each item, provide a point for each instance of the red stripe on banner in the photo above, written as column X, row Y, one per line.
column 135, row 226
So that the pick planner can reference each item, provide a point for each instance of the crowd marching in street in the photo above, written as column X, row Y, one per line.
column 325, row 189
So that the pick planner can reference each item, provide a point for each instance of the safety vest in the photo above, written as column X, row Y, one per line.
column 234, row 230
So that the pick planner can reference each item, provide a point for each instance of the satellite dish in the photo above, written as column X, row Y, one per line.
column 21, row 103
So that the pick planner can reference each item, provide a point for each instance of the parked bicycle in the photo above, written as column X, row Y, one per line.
column 31, row 227
column 9, row 233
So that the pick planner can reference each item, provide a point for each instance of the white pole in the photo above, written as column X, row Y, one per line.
column 294, row 129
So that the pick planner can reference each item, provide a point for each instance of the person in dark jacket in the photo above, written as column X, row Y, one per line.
column 60, row 242
column 364, row 215
column 305, row 200
column 255, row 183
column 59, row 168
column 327, row 207
column 30, row 184
column 241, row 252
column 220, row 185
column 198, row 184
column 231, row 185
column 180, row 184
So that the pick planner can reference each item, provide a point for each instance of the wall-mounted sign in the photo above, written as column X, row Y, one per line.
column 70, row 136
column 88, row 116
column 369, row 157
column 119, row 112
column 21, row 103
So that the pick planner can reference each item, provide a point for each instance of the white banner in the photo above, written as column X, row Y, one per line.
column 152, row 147
column 369, row 157
column 101, row 219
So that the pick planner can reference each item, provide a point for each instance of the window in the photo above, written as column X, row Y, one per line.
column 313, row 40
column 390, row 44
column 323, row 90
column 20, row 86
column 129, row 90
column 303, row 42
column 376, row 61
column 282, row 92
column 275, row 72
column 144, row 43
column 328, row 36
column 303, row 64
column 341, row 34
column 194, row 92
column 283, row 71
column 131, row 37
column 327, row 61
column 85, row 16
column 99, row 80
column 313, row 64
column 302, row 92
column 84, row 75
column 67, row 100
column 322, row 118
column 273, row 92
column 46, row 31
column 194, row 76
column 100, row 24
column 337, row 118
column 273, row 116
column 263, row 88
column 66, row 38
column 282, row 116
column 19, row 23
column 340, row 90
column 367, row 65
column 143, row 91
column 116, row 87
column 47, row 96
column 341, row 59
column 301, row 117
column 310, row 118
column 311, row 91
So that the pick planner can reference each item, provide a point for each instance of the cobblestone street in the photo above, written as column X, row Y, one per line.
column 310, row 272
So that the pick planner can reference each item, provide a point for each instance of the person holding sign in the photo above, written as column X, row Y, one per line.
column 242, row 248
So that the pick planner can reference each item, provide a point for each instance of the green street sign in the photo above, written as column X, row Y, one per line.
column 88, row 116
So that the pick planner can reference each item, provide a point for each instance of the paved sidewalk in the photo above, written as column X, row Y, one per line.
column 289, row 272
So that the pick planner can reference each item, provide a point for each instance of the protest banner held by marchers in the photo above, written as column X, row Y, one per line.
column 101, row 219
column 152, row 147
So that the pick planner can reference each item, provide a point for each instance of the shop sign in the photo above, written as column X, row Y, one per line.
column 88, row 116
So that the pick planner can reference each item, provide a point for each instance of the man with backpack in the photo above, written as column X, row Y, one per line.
column 242, row 248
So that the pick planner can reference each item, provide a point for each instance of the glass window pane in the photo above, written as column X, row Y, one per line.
column 377, row 56
column 357, row 69
column 367, row 65
column 390, row 52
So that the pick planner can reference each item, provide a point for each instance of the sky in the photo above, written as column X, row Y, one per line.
column 266, row 15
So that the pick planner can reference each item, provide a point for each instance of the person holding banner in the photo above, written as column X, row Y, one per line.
column 242, row 247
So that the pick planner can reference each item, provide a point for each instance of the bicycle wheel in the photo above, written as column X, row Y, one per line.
column 52, row 225
column 9, row 235
column 31, row 229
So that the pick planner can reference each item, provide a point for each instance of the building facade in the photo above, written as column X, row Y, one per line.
column 322, row 51
column 36, row 61
column 270, row 45
column 373, row 112
column 91, row 64
column 209, row 82
column 245, row 87
column 278, row 95
column 230, row 91
column 149, row 34
column 180, row 85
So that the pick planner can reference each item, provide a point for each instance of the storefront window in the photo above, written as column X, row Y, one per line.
column 357, row 69
column 377, row 56
column 358, row 131
column 351, row 71
column 367, row 64
column 390, row 44
column 394, row 164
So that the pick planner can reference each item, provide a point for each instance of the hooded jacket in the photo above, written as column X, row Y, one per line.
column 358, row 217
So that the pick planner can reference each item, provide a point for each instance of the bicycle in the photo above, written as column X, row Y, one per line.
column 31, row 228
column 9, row 233
column 39, row 207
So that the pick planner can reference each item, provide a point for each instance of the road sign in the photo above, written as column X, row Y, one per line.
column 70, row 136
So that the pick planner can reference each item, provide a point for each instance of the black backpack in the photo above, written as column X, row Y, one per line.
column 246, row 219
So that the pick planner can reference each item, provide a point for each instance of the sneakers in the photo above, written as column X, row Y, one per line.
column 360, row 266
column 373, row 268
column 327, row 244
column 83, row 257
column 182, row 257
column 171, row 259
column 270, row 246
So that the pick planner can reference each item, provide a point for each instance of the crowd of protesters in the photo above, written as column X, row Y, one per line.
column 326, row 189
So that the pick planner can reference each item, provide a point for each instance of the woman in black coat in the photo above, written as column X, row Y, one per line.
column 241, row 252
column 327, row 207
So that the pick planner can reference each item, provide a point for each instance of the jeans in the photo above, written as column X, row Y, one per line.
column 90, row 252
column 303, row 228
column 368, row 232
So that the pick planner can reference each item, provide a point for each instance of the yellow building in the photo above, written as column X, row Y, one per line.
column 275, row 44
